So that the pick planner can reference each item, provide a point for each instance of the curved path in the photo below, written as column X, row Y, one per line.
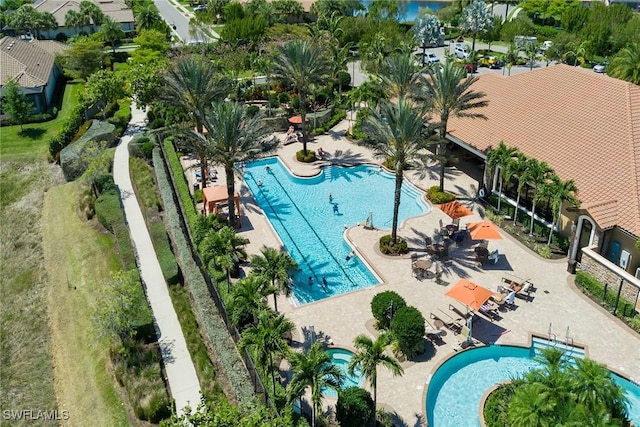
column 181, row 374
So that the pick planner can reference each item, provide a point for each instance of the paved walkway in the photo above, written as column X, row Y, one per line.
column 556, row 304
column 181, row 374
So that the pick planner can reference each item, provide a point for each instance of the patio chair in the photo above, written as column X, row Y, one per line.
column 465, row 338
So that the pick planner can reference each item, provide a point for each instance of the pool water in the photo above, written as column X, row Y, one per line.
column 311, row 225
column 341, row 358
column 456, row 388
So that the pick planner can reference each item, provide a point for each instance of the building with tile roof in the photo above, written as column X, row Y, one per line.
column 586, row 126
column 115, row 9
column 32, row 65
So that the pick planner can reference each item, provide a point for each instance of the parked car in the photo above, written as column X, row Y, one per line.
column 600, row 68
column 461, row 51
column 200, row 8
column 429, row 58
column 490, row 61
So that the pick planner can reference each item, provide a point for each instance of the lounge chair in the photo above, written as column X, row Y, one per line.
column 456, row 310
column 465, row 338
column 433, row 333
column 449, row 323
column 510, row 300
column 489, row 311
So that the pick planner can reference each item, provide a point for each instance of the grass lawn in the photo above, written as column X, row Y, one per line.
column 33, row 142
column 78, row 259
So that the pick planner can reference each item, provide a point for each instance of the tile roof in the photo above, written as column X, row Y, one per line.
column 29, row 63
column 585, row 125
column 115, row 9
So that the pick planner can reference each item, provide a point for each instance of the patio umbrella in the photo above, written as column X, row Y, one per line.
column 455, row 209
column 483, row 230
column 469, row 294
column 296, row 120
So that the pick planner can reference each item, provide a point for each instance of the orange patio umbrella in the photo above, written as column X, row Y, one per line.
column 455, row 209
column 469, row 294
column 296, row 120
column 483, row 230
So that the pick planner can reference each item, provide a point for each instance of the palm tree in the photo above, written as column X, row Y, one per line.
column 507, row 3
column 518, row 168
column 398, row 75
column 92, row 13
column 560, row 192
column 447, row 92
column 531, row 52
column 314, row 370
column 75, row 19
column 301, row 63
column 224, row 248
column 232, row 137
column 501, row 157
column 396, row 132
column 193, row 84
column 111, row 32
column 248, row 299
column 537, row 175
column 267, row 339
column 275, row 266
column 339, row 57
column 369, row 355
column 626, row 64
column 594, row 387
column 148, row 17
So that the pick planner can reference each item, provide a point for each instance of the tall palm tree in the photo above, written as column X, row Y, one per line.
column 147, row 17
column 111, row 32
column 369, row 355
column 396, row 132
column 595, row 386
column 399, row 75
column 193, row 84
column 248, row 299
column 537, row 175
column 301, row 63
column 339, row 57
column 560, row 192
column 223, row 248
column 501, row 157
column 276, row 267
column 314, row 370
column 267, row 340
column 91, row 11
column 626, row 64
column 73, row 19
column 448, row 92
column 232, row 137
column 518, row 168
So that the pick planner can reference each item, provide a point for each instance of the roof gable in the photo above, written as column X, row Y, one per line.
column 585, row 125
column 28, row 63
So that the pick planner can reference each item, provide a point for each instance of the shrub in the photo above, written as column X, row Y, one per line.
column 104, row 183
column 161, row 244
column 197, row 195
column 400, row 247
column 438, row 197
column 606, row 297
column 69, row 130
column 380, row 305
column 361, row 116
column 308, row 157
column 180, row 182
column 121, row 118
column 354, row 407
column 543, row 250
column 284, row 97
column 252, row 110
column 495, row 407
column 108, row 209
column 407, row 329
column 334, row 120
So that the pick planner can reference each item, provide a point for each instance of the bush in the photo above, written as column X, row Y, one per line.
column 606, row 297
column 284, row 97
column 380, row 305
column 495, row 407
column 161, row 244
column 361, row 116
column 108, row 209
column 308, row 157
column 334, row 120
column 354, row 407
column 407, row 329
column 121, row 118
column 197, row 195
column 68, row 132
column 399, row 248
column 252, row 110
column 438, row 197
column 104, row 183
column 182, row 187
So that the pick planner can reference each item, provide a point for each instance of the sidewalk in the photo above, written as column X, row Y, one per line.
column 181, row 374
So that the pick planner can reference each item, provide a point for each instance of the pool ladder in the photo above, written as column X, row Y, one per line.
column 568, row 339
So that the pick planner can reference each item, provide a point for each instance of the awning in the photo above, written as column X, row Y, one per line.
column 469, row 294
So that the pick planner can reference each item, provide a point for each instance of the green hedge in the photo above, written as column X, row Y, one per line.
column 438, row 197
column 68, row 132
column 216, row 335
column 595, row 288
column 165, row 256
column 182, row 187
column 400, row 247
column 334, row 120
column 407, row 329
column 355, row 407
column 110, row 215
column 380, row 305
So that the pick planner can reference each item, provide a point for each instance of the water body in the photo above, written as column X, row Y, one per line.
column 413, row 8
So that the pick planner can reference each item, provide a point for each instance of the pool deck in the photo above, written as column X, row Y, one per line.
column 340, row 319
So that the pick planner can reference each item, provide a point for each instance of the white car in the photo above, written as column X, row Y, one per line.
column 461, row 51
column 200, row 8
column 600, row 68
column 429, row 58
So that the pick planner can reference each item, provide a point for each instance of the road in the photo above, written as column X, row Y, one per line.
column 179, row 21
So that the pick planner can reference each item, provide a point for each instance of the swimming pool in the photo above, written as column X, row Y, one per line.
column 456, row 388
column 341, row 358
column 311, row 225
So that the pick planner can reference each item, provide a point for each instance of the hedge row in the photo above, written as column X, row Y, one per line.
column 334, row 120
column 162, row 245
column 594, row 287
column 110, row 215
column 182, row 187
column 68, row 132
column 216, row 334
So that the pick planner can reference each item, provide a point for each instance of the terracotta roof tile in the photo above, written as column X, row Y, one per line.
column 585, row 125
column 28, row 63
column 115, row 9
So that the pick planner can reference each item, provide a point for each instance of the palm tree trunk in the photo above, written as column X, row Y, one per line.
column 396, row 207
column 273, row 375
column 500, row 196
column 303, row 116
column 555, row 220
column 506, row 12
column 515, row 214
column 441, row 149
column 533, row 213
column 275, row 298
column 231, row 189
column 203, row 160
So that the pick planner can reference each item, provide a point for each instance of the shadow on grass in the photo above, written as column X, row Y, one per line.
column 33, row 133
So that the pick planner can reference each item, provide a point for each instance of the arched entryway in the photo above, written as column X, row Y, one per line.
column 585, row 232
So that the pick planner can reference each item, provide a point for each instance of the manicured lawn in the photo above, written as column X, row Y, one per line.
column 33, row 142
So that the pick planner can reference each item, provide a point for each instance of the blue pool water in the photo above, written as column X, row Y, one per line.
column 455, row 390
column 413, row 7
column 313, row 232
column 341, row 358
